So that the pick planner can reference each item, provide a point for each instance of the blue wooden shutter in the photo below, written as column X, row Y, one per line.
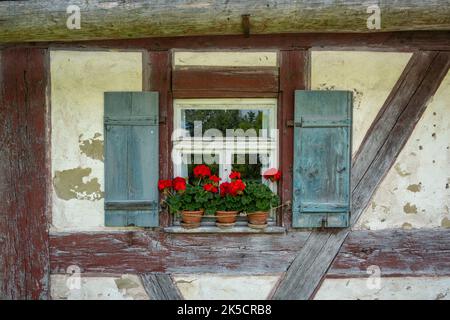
column 131, row 159
column 322, row 159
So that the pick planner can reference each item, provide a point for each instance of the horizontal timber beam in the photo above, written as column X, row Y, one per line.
column 47, row 20
column 154, row 251
column 420, row 252
column 384, row 41
column 256, row 80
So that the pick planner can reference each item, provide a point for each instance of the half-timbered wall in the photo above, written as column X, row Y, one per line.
column 78, row 80
column 52, row 170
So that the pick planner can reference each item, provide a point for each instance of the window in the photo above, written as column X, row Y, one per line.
column 226, row 134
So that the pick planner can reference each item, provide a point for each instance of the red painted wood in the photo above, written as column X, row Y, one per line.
column 395, row 41
column 24, row 172
column 225, row 79
column 159, row 71
column 140, row 251
column 293, row 76
column 396, row 252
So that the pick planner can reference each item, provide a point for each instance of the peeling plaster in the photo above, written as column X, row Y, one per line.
column 414, row 187
column 445, row 223
column 76, row 184
column 410, row 208
column 93, row 147
column 400, row 171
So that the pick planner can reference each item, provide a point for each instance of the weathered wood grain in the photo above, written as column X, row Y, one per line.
column 398, row 253
column 160, row 286
column 143, row 252
column 386, row 41
column 225, row 79
column 294, row 65
column 158, row 77
column 24, row 175
column 34, row 20
column 301, row 278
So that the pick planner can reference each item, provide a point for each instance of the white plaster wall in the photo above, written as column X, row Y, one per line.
column 404, row 288
column 78, row 81
column 370, row 75
column 225, row 287
column 124, row 287
column 416, row 192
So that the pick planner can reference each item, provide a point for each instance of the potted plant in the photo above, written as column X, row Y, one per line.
column 259, row 199
column 191, row 200
column 229, row 202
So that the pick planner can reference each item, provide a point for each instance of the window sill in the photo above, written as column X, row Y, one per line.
column 236, row 229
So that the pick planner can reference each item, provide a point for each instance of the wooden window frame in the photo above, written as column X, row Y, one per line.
column 275, row 82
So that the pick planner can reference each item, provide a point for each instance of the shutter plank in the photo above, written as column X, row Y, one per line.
column 322, row 159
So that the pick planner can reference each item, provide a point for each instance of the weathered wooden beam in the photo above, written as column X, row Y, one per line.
column 160, row 286
column 398, row 253
column 34, row 20
column 142, row 252
column 218, row 80
column 24, row 174
column 303, row 277
column 387, row 41
column 157, row 76
column 294, row 68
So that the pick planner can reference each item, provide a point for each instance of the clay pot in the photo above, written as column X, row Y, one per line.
column 192, row 217
column 258, row 218
column 226, row 216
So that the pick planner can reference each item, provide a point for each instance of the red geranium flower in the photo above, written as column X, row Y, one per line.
column 272, row 174
column 214, row 178
column 210, row 187
column 224, row 188
column 202, row 171
column 179, row 184
column 236, row 187
column 235, row 175
column 164, row 184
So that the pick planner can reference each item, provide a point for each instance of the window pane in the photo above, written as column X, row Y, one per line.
column 205, row 119
column 249, row 165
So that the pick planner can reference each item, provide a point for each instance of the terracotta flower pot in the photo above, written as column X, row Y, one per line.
column 192, row 217
column 258, row 217
column 226, row 216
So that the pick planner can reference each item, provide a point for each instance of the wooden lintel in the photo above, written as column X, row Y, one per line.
column 243, row 79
